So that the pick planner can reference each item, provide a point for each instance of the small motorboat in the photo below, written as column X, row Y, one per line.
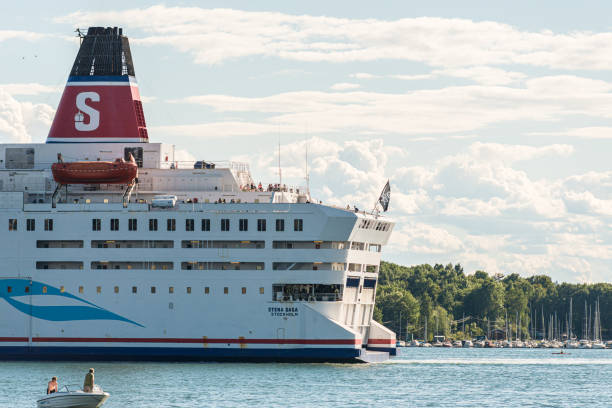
column 95, row 172
column 71, row 396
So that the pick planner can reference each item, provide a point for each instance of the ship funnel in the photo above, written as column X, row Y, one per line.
column 101, row 102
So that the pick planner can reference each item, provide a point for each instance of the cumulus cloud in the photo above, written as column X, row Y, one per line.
column 472, row 207
column 23, row 121
column 216, row 35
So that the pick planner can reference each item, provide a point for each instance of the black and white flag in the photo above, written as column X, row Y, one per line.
column 385, row 196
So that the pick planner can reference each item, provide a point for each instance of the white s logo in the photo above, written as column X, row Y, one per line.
column 94, row 115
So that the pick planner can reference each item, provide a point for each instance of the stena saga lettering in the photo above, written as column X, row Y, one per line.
column 111, row 250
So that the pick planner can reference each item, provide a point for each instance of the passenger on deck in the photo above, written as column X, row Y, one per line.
column 89, row 381
column 52, row 385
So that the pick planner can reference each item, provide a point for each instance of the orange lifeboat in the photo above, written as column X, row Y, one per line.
column 95, row 172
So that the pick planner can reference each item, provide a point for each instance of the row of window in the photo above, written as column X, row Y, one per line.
column 210, row 266
column 280, row 292
column 96, row 224
column 375, row 225
column 30, row 224
column 207, row 265
column 222, row 244
column 153, row 289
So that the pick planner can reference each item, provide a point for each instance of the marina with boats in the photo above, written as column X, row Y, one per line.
column 552, row 334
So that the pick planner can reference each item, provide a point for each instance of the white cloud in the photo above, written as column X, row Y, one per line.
column 22, row 35
column 344, row 86
column 364, row 75
column 417, row 77
column 216, row 35
column 428, row 111
column 30, row 89
column 23, row 121
column 593, row 132
column 483, row 75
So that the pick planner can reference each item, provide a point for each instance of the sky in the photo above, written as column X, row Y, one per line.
column 492, row 123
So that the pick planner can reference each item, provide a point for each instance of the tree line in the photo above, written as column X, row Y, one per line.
column 457, row 305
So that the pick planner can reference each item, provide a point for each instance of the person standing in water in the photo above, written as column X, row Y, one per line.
column 52, row 386
column 89, row 381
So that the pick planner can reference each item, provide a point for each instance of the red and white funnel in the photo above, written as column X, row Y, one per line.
column 101, row 102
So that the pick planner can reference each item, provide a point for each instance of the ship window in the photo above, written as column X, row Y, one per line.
column 152, row 224
column 134, row 289
column 116, row 289
column 96, row 224
column 19, row 158
column 280, row 224
column 261, row 224
column 206, row 290
column 243, row 224
column 171, row 289
column 152, row 289
column 261, row 290
column 114, row 224
column 188, row 289
column 298, row 224
column 133, row 224
column 205, row 224
column 48, row 224
column 98, row 289
column 12, row 224
column 226, row 290
column 189, row 224
column 225, row 224
column 80, row 289
column 31, row 224
column 369, row 283
column 244, row 291
column 171, row 224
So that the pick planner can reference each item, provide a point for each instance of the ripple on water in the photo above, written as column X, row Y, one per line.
column 418, row 377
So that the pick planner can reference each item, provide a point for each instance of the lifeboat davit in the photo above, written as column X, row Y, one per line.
column 95, row 172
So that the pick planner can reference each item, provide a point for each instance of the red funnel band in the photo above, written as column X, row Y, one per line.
column 99, row 109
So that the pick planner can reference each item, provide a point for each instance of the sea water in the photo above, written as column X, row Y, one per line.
column 417, row 377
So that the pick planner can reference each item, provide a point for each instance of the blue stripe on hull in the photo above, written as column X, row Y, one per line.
column 391, row 350
column 344, row 355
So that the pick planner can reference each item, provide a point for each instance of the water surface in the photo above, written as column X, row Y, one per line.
column 417, row 378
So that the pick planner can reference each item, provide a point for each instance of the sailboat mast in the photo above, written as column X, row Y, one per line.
column 543, row 324
column 570, row 319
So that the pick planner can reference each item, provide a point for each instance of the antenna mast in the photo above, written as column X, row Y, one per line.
column 79, row 34
column 307, row 175
column 280, row 174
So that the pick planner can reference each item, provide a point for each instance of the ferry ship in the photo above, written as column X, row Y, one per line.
column 166, row 261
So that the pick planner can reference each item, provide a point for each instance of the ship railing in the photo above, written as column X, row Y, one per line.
column 207, row 165
column 317, row 297
column 355, row 210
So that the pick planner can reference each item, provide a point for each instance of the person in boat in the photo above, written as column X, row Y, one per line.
column 52, row 385
column 89, row 381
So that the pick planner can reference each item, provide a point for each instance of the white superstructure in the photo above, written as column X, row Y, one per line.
column 225, row 270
